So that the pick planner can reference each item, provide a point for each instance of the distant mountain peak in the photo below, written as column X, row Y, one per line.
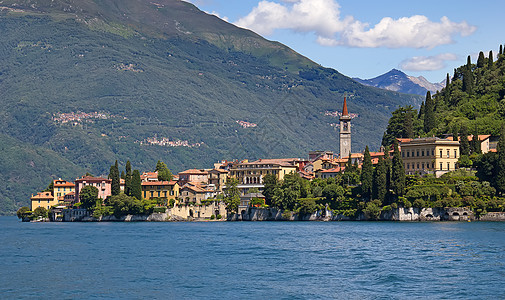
column 398, row 81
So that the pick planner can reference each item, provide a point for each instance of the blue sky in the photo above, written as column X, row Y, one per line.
column 368, row 38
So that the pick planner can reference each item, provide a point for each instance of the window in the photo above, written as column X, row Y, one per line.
column 448, row 166
column 455, row 153
column 441, row 166
column 417, row 165
column 423, row 165
column 433, row 153
column 408, row 154
column 403, row 154
column 441, row 156
column 408, row 165
column 417, row 152
column 448, row 154
column 422, row 153
column 433, row 166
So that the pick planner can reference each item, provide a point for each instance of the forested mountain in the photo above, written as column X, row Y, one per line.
column 396, row 80
column 83, row 83
column 472, row 103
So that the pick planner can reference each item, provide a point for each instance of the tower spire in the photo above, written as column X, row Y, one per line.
column 344, row 110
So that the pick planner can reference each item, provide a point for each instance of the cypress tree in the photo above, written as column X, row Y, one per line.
column 408, row 125
column 367, row 174
column 379, row 181
column 388, row 164
column 136, row 185
column 114, row 176
column 397, row 172
column 501, row 50
column 421, row 111
column 128, row 179
column 447, row 81
column 475, row 144
column 429, row 113
column 464, row 144
column 480, row 60
column 500, row 164
column 490, row 61
column 468, row 77
column 348, row 166
column 123, row 176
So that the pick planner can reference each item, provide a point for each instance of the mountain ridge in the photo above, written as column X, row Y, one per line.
column 398, row 81
column 148, row 86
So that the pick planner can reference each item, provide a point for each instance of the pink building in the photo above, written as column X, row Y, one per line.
column 102, row 184
column 193, row 175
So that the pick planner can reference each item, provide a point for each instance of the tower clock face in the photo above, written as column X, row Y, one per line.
column 345, row 143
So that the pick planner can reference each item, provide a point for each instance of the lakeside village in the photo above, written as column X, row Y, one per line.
column 412, row 180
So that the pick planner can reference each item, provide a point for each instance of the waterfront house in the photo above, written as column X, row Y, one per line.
column 168, row 190
column 62, row 188
column 193, row 192
column 43, row 199
column 193, row 175
column 218, row 178
column 250, row 174
column 430, row 155
column 102, row 184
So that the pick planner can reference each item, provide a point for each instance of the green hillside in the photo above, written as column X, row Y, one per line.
column 472, row 103
column 164, row 70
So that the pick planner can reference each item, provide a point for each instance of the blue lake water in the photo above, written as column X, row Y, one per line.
column 252, row 260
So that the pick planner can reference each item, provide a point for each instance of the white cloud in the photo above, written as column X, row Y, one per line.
column 427, row 63
column 323, row 18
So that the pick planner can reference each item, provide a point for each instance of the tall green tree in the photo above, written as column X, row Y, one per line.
column 114, row 176
column 397, row 172
column 88, row 196
column 500, row 164
column 475, row 144
column 379, row 180
column 468, row 77
column 164, row 173
column 501, row 50
column 367, row 174
column 232, row 195
column 128, row 179
column 464, row 144
column 136, row 185
column 490, row 59
column 429, row 113
column 270, row 183
column 481, row 60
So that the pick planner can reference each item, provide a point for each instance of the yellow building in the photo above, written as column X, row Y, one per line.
column 430, row 155
column 250, row 174
column 43, row 199
column 160, row 189
column 61, row 188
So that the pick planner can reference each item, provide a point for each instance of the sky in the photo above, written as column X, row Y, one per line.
column 367, row 38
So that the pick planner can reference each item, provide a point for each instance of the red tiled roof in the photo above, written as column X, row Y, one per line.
column 334, row 170
column 90, row 178
column 194, row 171
column 43, row 195
column 71, row 184
column 150, row 183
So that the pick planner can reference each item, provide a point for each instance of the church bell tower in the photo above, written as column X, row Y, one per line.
column 345, row 132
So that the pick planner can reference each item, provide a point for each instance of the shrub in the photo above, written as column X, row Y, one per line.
column 372, row 211
column 212, row 217
column 419, row 203
column 219, row 217
column 159, row 210
column 286, row 215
